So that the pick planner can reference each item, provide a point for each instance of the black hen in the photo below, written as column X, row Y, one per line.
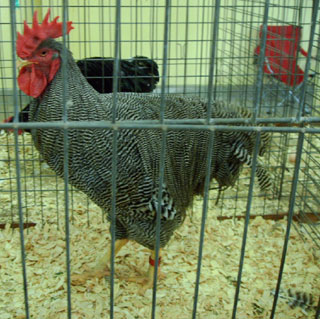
column 138, row 74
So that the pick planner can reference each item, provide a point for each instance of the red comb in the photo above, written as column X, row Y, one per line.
column 32, row 37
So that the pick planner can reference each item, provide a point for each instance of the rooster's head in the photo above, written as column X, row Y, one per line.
column 40, row 54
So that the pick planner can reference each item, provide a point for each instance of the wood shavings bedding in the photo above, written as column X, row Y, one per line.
column 46, row 259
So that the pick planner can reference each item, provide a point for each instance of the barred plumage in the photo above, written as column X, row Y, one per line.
column 138, row 74
column 90, row 152
column 138, row 150
column 297, row 299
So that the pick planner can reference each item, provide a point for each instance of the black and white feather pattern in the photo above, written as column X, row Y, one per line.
column 139, row 74
column 138, row 152
column 243, row 155
column 294, row 299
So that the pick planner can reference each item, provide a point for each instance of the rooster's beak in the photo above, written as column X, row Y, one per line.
column 21, row 63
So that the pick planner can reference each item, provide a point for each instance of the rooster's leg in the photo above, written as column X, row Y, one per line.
column 102, row 267
column 104, row 261
column 147, row 281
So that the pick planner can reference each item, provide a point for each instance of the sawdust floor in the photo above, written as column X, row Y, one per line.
column 46, row 259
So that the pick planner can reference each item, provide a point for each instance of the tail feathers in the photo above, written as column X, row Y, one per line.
column 242, row 154
column 294, row 299
column 264, row 178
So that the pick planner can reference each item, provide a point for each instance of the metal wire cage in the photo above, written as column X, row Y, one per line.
column 251, row 255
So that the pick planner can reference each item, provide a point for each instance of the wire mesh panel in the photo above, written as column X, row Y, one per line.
column 236, row 105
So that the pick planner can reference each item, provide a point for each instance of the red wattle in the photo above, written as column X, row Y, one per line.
column 54, row 67
column 32, row 81
column 8, row 120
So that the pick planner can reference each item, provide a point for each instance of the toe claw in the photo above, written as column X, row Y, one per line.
column 81, row 279
column 78, row 280
column 146, row 283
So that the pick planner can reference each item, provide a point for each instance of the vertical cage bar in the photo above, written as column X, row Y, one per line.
column 5, row 110
column 165, row 59
column 66, row 207
column 185, row 77
column 113, row 216
column 215, row 28
column 162, row 153
column 232, row 30
column 246, row 224
column 114, row 153
column 17, row 158
column 209, row 156
column 158, row 221
column 201, row 45
column 289, row 222
column 116, row 67
column 307, row 68
column 66, row 151
column 203, row 221
column 258, row 95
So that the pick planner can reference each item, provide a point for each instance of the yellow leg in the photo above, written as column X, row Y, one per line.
column 106, row 258
column 102, row 267
column 147, row 281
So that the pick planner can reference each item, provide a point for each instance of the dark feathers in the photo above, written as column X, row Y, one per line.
column 294, row 299
column 138, row 74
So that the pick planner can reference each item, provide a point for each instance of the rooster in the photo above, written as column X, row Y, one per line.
column 138, row 151
column 138, row 74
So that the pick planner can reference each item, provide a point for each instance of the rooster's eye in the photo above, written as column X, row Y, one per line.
column 43, row 53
